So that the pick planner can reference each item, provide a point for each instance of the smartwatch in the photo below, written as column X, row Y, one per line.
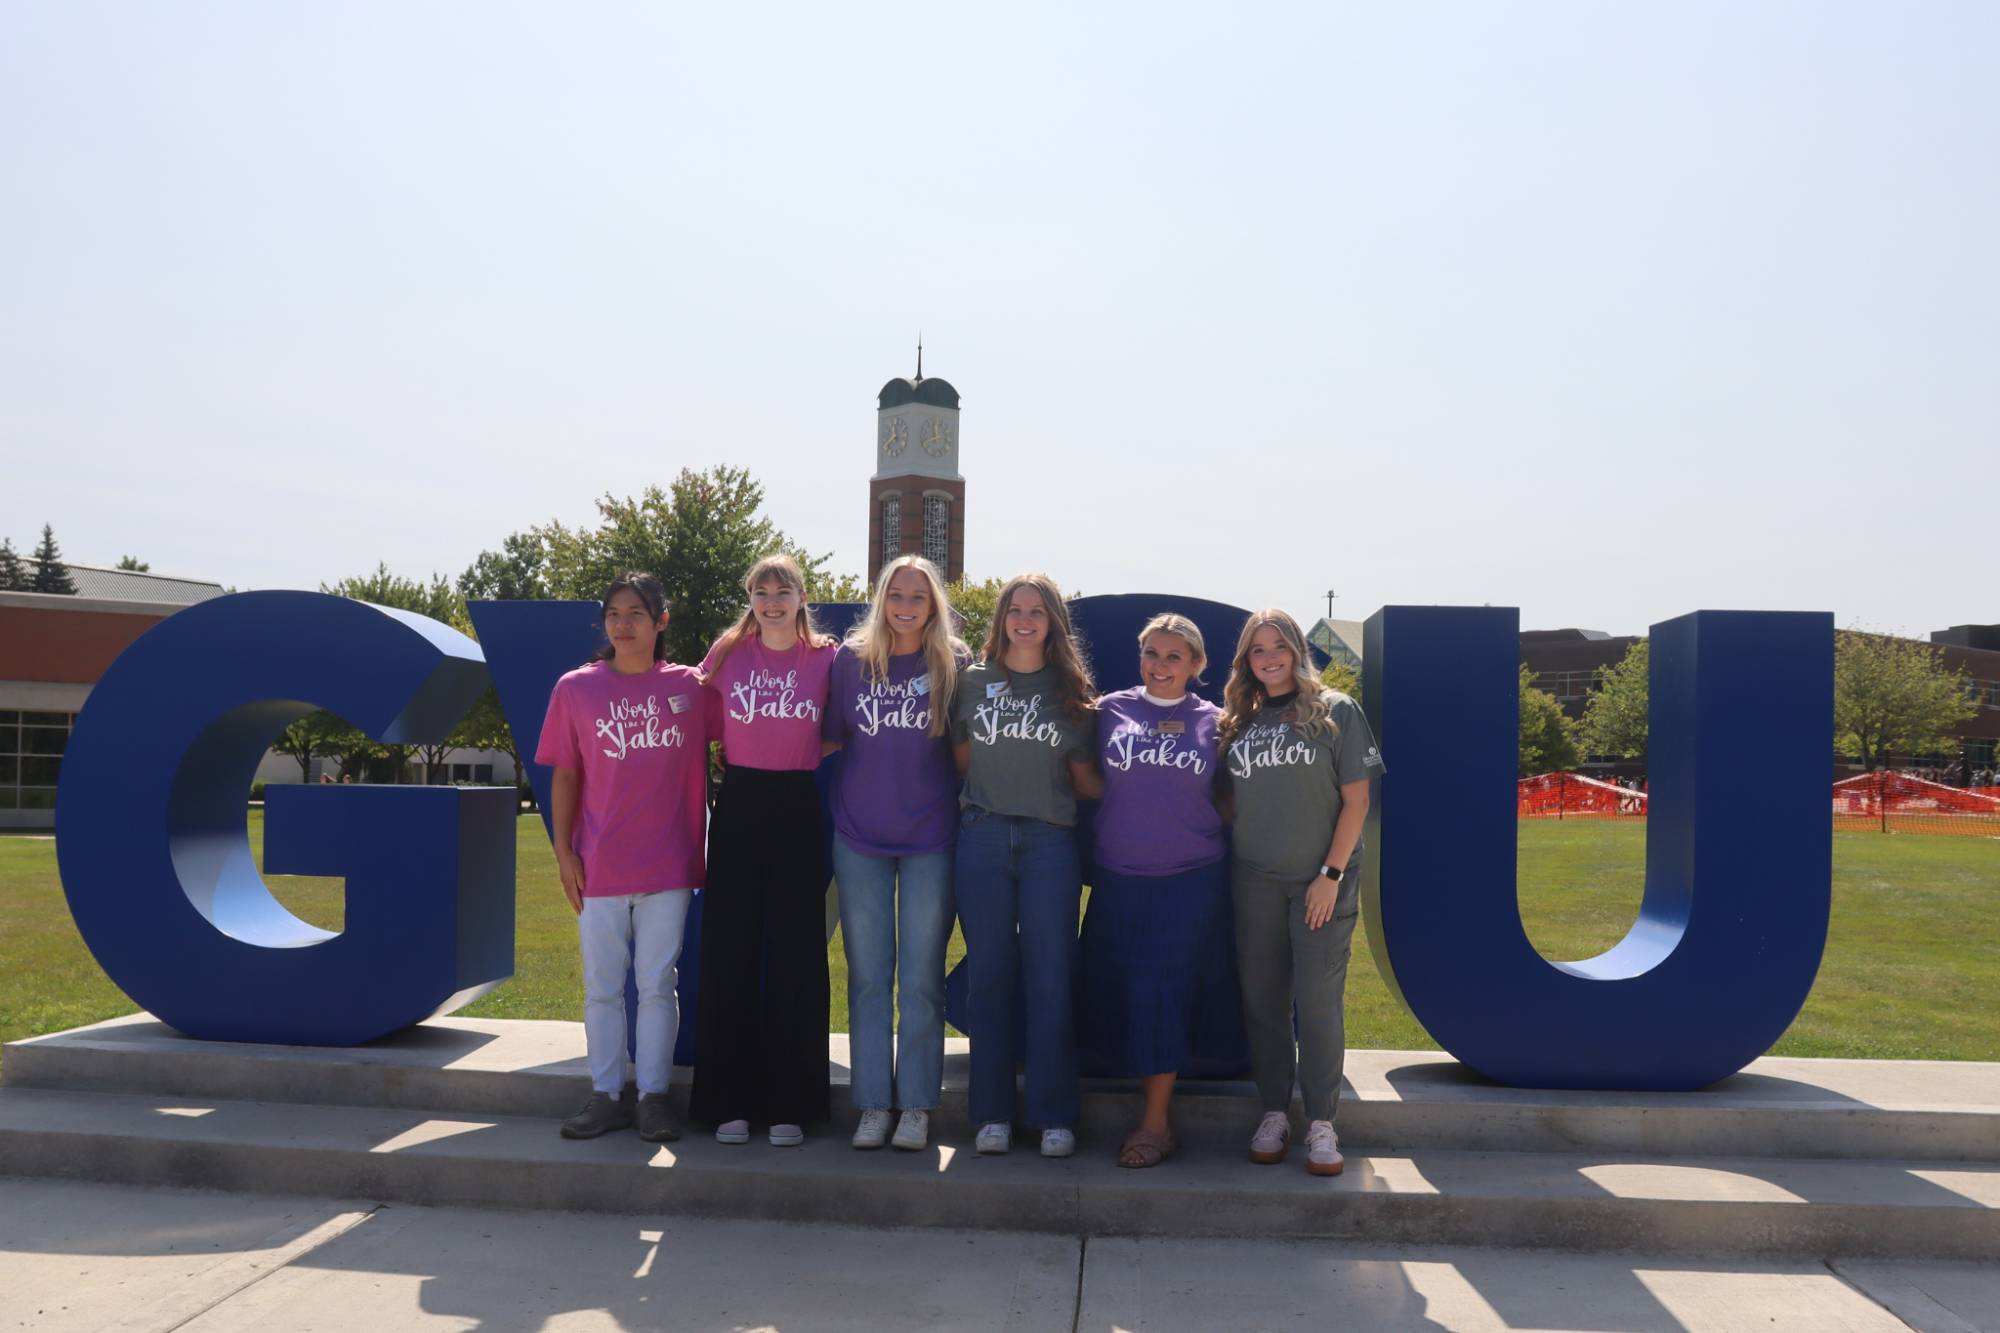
column 1331, row 873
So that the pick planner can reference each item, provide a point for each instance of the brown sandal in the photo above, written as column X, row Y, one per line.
column 1143, row 1148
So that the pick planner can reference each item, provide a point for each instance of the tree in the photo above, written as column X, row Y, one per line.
column 1614, row 721
column 135, row 564
column 514, row 573
column 51, row 574
column 1546, row 745
column 315, row 734
column 973, row 604
column 436, row 599
column 1337, row 676
column 700, row 536
column 485, row 728
column 13, row 574
column 1893, row 696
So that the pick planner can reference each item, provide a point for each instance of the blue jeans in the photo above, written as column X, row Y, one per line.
column 1019, row 883
column 875, row 918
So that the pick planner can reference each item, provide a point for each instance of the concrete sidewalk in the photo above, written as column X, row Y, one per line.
column 80, row 1256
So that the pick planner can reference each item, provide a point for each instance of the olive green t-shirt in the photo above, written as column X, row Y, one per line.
column 1287, row 789
column 1022, row 742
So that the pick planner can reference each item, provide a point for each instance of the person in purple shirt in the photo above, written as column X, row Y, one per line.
column 895, row 811
column 1161, row 886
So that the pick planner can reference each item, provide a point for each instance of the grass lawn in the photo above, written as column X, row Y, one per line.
column 1912, row 967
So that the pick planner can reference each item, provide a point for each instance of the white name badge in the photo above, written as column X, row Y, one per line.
column 677, row 703
column 920, row 684
column 996, row 689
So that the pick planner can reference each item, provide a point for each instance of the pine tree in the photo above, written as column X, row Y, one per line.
column 51, row 574
column 13, row 575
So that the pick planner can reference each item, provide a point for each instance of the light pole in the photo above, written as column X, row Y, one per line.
column 1330, row 595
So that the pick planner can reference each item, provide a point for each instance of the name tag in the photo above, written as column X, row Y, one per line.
column 920, row 684
column 996, row 689
column 1173, row 728
column 677, row 703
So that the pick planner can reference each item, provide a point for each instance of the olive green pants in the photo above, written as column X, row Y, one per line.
column 1282, row 966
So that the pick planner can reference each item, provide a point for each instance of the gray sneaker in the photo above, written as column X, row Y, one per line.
column 657, row 1122
column 913, row 1131
column 873, row 1129
column 604, row 1112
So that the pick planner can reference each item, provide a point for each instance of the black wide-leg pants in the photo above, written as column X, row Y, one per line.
column 761, row 1023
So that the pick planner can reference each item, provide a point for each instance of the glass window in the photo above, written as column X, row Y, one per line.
column 43, row 740
column 8, row 717
column 36, row 772
column 38, row 798
column 937, row 530
column 10, row 738
column 483, row 774
column 892, row 526
column 9, row 798
column 10, row 771
column 45, row 719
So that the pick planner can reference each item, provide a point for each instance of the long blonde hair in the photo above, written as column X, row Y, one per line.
column 775, row 569
column 871, row 640
column 1076, row 692
column 1244, row 695
column 1178, row 625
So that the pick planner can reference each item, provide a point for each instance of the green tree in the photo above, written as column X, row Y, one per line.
column 316, row 735
column 1614, row 721
column 973, row 604
column 13, row 574
column 135, row 564
column 51, row 574
column 1893, row 696
column 1546, row 743
column 436, row 599
column 514, row 573
column 700, row 535
column 1337, row 676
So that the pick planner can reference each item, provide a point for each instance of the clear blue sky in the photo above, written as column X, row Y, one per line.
column 1606, row 311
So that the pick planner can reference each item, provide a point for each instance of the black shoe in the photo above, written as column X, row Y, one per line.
column 656, row 1119
column 604, row 1112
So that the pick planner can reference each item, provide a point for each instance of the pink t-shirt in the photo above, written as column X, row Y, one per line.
column 772, row 703
column 641, row 743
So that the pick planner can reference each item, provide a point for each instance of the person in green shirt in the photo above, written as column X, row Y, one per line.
column 1022, row 732
column 1298, row 757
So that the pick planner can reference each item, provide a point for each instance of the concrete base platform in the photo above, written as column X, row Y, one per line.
column 1905, row 1109
column 76, row 1256
column 1793, row 1158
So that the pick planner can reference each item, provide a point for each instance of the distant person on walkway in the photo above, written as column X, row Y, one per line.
column 895, row 810
column 1160, row 878
column 1021, row 731
column 1299, row 758
column 761, row 1024
column 627, row 735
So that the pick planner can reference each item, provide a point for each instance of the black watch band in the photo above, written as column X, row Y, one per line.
column 1331, row 873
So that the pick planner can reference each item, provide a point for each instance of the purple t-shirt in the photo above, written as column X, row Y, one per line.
column 1158, row 816
column 896, row 792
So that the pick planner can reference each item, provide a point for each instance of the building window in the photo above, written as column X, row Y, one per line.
column 892, row 526
column 31, row 750
column 937, row 530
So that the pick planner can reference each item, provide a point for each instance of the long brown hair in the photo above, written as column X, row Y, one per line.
column 1075, row 690
column 776, row 569
column 1244, row 695
column 871, row 639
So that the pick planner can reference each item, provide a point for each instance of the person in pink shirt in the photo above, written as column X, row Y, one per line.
column 627, row 735
column 760, row 1029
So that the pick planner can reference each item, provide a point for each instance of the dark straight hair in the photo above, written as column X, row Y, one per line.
column 648, row 590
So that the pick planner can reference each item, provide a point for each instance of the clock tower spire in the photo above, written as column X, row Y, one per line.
column 916, row 499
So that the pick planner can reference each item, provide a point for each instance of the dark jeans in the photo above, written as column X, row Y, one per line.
column 1018, row 882
column 762, row 1018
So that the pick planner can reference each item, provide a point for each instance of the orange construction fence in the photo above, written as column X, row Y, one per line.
column 1881, row 802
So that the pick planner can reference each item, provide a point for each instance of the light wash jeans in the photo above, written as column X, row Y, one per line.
column 642, row 930
column 875, row 918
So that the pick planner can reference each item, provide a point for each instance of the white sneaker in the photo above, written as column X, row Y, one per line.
column 787, row 1136
column 1323, row 1149
column 1268, row 1144
column 873, row 1131
column 733, row 1131
column 1058, row 1142
column 913, row 1131
column 995, row 1138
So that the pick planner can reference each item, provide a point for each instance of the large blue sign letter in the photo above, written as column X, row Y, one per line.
column 1738, row 851
column 154, row 843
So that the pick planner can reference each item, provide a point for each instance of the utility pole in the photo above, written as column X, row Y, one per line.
column 1330, row 595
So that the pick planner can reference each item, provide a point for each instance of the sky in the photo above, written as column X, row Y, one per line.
column 1608, row 312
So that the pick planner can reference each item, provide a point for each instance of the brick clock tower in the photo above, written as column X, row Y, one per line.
column 916, row 499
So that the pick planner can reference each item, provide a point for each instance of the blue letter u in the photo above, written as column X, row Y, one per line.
column 1738, row 851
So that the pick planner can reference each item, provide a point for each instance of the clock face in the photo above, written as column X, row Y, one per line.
column 895, row 436
column 937, row 438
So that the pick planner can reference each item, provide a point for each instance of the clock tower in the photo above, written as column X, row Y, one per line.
column 916, row 499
